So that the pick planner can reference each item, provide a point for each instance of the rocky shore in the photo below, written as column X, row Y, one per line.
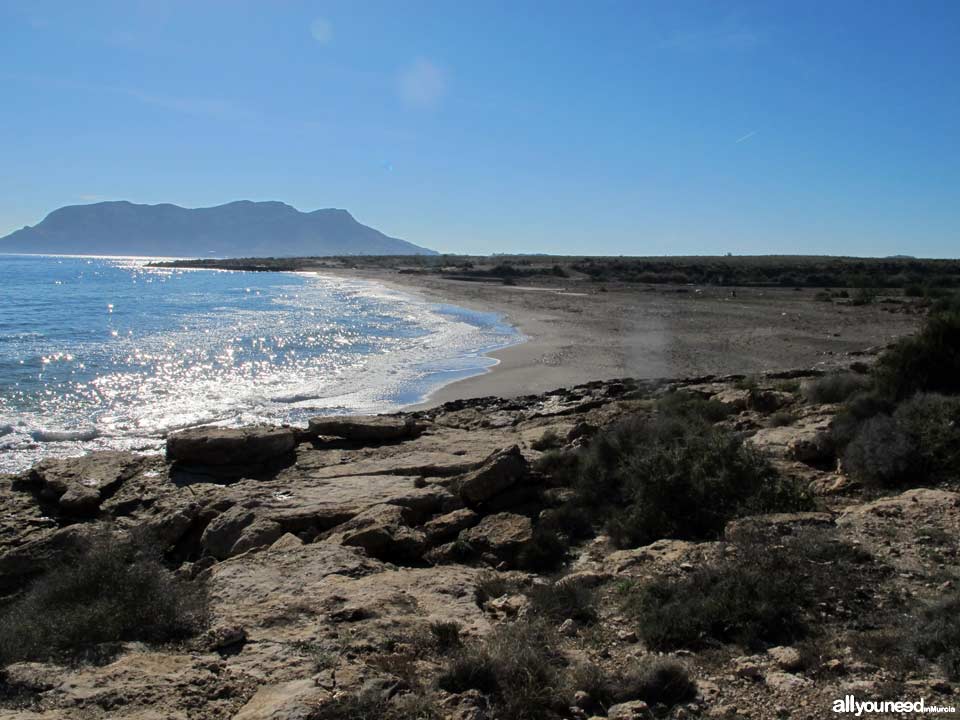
column 344, row 560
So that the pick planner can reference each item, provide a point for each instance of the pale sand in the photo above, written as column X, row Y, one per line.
column 576, row 333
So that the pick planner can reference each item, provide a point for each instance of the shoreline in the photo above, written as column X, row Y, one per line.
column 577, row 332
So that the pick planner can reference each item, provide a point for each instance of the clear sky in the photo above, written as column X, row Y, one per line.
column 633, row 127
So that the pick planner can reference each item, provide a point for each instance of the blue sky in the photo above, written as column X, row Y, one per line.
column 467, row 126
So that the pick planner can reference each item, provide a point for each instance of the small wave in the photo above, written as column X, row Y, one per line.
column 44, row 435
column 5, row 429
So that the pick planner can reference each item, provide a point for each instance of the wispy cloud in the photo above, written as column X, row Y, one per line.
column 322, row 30
column 186, row 105
column 422, row 84
column 725, row 36
column 745, row 137
column 207, row 106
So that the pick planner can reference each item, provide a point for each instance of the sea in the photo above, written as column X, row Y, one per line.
column 110, row 353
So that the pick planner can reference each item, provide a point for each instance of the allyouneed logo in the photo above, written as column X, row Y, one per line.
column 850, row 704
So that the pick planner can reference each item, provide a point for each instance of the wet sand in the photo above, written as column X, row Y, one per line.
column 577, row 333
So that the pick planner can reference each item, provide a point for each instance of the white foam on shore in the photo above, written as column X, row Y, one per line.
column 327, row 346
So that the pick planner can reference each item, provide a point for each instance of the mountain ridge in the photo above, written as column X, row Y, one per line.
column 238, row 228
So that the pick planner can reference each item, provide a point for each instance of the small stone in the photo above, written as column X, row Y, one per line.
column 224, row 636
column 568, row 628
column 787, row 658
column 786, row 681
column 746, row 667
column 633, row 710
column 628, row 636
column 835, row 666
column 581, row 699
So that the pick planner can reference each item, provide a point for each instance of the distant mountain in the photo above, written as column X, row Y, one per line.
column 237, row 229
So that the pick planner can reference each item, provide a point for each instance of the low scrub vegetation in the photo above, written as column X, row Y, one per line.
column 676, row 475
column 518, row 666
column 558, row 602
column 918, row 444
column 655, row 681
column 926, row 362
column 834, row 388
column 938, row 637
column 763, row 596
column 115, row 589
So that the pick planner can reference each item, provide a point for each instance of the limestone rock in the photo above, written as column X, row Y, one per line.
column 383, row 531
column 503, row 535
column 366, row 428
column 502, row 470
column 767, row 401
column 230, row 446
column 787, row 658
column 294, row 700
column 78, row 485
column 449, row 525
column 786, row 682
column 632, row 710
column 238, row 530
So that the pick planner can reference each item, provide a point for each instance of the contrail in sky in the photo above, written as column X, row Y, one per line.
column 746, row 137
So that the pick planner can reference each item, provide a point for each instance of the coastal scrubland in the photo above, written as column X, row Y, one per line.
column 745, row 545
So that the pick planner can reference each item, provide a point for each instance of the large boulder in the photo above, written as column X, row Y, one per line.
column 502, row 535
column 236, row 531
column 77, row 485
column 251, row 446
column 383, row 531
column 501, row 470
column 448, row 526
column 366, row 428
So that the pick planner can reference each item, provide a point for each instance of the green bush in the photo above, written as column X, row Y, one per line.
column 115, row 589
column 918, row 444
column 763, row 596
column 732, row 603
column 655, row 681
column 674, row 474
column 517, row 665
column 550, row 440
column 938, row 637
column 690, row 406
column 547, row 550
column 932, row 422
column 558, row 602
column 834, row 388
column 881, row 454
column 782, row 419
column 926, row 362
column 690, row 485
column 491, row 585
column 445, row 636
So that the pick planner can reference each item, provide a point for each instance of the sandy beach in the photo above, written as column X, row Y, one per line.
column 577, row 333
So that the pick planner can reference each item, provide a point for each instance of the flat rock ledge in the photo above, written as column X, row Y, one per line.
column 366, row 428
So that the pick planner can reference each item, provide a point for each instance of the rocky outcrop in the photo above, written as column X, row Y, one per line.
column 335, row 572
column 501, row 471
column 77, row 486
column 366, row 428
column 238, row 530
column 384, row 532
column 240, row 448
column 502, row 535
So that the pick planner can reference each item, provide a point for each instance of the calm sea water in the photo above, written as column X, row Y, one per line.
column 108, row 353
